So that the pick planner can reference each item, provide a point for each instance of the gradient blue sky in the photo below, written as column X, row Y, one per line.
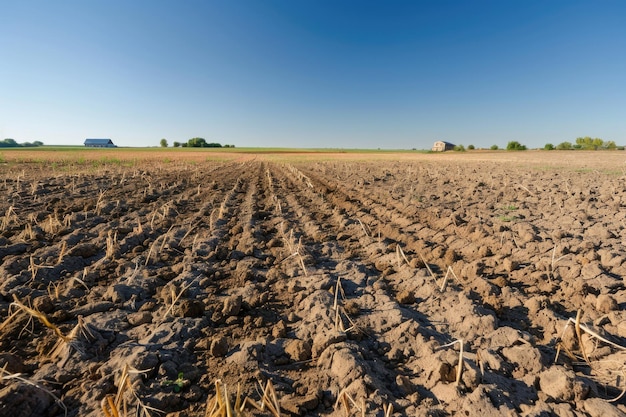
column 305, row 73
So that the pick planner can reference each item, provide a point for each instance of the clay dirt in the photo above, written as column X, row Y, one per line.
column 465, row 283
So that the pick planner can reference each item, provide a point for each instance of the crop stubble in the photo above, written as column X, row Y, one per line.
column 324, row 277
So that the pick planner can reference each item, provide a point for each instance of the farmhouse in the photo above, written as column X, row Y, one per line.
column 441, row 146
column 99, row 143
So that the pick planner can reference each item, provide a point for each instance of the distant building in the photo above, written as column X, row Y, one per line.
column 441, row 146
column 99, row 143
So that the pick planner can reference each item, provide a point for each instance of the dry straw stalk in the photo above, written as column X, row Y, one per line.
column 117, row 405
column 579, row 328
column 221, row 406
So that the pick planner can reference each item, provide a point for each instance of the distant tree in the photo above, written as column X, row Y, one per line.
column 515, row 146
column 176, row 144
column 589, row 143
column 610, row 145
column 549, row 147
column 202, row 143
column 564, row 146
column 494, row 147
column 471, row 147
column 38, row 143
column 584, row 143
column 459, row 148
column 196, row 143
column 163, row 143
column 597, row 143
column 184, row 145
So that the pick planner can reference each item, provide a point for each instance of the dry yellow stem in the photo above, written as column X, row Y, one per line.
column 40, row 316
column 459, row 368
column 579, row 335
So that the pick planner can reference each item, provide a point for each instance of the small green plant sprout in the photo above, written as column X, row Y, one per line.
column 178, row 384
column 507, row 219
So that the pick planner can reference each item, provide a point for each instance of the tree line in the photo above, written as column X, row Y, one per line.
column 11, row 143
column 587, row 143
column 584, row 143
column 195, row 143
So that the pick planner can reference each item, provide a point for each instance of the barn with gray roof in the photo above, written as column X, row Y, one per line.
column 99, row 143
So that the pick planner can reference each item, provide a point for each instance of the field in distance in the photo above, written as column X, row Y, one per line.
column 604, row 160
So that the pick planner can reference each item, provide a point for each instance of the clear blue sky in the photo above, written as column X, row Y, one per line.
column 313, row 73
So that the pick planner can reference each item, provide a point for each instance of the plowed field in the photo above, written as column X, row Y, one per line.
column 471, row 284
